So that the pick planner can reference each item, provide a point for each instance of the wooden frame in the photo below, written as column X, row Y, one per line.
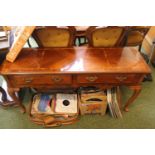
column 142, row 29
column 91, row 29
column 71, row 30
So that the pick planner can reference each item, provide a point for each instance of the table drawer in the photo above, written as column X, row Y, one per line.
column 40, row 79
column 108, row 78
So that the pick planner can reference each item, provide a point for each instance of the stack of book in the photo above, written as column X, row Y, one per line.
column 3, row 36
column 113, row 103
column 50, row 104
column 66, row 103
column 43, row 104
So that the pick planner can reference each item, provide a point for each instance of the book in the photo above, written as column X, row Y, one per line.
column 43, row 104
column 113, row 103
column 2, row 39
column 21, row 36
column 2, row 34
column 66, row 103
column 109, row 101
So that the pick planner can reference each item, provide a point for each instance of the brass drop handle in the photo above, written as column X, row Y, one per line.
column 28, row 80
column 121, row 78
column 92, row 78
column 57, row 79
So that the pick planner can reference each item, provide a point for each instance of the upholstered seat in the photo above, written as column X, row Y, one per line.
column 105, row 36
column 54, row 36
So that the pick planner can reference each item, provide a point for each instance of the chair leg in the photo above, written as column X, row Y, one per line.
column 28, row 42
column 79, row 40
column 84, row 41
column 140, row 46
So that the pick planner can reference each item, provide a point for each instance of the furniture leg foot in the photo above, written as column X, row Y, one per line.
column 16, row 100
column 126, row 109
column 23, row 110
column 137, row 90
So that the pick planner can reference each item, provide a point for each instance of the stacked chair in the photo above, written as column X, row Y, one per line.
column 135, row 35
column 111, row 36
column 52, row 36
column 114, row 36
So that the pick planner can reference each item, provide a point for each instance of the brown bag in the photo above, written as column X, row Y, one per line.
column 53, row 119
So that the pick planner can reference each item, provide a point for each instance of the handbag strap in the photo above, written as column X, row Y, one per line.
column 56, row 121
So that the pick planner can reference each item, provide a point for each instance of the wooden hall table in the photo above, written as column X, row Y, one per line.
column 74, row 67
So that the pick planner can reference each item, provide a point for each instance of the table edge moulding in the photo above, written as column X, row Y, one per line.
column 55, row 68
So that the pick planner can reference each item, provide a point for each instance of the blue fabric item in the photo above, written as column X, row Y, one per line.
column 11, row 38
column 43, row 102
